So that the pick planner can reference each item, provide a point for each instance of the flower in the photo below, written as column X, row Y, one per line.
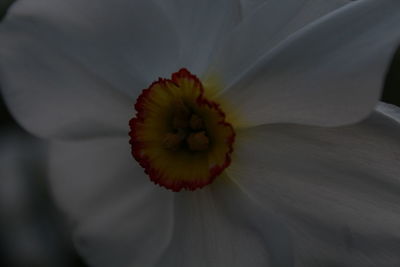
column 179, row 136
column 296, row 193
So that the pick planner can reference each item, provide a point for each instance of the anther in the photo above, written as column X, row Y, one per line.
column 198, row 141
column 172, row 141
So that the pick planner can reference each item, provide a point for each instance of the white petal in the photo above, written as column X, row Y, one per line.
column 269, row 23
column 328, row 73
column 201, row 25
column 17, row 173
column 119, row 217
column 338, row 188
column 389, row 110
column 220, row 226
column 68, row 67
column 249, row 6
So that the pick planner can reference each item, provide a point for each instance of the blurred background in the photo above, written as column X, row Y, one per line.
column 33, row 233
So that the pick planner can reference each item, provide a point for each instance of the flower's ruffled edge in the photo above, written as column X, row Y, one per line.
column 137, row 147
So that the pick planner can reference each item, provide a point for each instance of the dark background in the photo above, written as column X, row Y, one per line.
column 48, row 224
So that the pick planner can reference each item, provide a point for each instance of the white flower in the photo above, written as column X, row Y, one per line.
column 293, row 194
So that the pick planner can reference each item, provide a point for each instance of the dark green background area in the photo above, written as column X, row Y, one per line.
column 4, row 4
column 391, row 91
column 5, row 118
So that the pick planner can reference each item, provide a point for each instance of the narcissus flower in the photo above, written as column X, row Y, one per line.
column 180, row 137
column 250, row 109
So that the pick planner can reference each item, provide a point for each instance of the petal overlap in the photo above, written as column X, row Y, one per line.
column 69, row 71
column 329, row 73
column 117, row 216
column 200, row 26
column 337, row 187
column 269, row 23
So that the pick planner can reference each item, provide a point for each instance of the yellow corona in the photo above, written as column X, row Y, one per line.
column 180, row 138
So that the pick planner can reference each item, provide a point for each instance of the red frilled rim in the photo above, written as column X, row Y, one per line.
column 137, row 147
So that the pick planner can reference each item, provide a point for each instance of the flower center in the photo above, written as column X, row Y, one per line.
column 189, row 131
column 178, row 136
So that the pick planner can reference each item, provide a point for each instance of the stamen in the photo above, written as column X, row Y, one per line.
column 198, row 141
column 173, row 141
column 180, row 137
column 196, row 123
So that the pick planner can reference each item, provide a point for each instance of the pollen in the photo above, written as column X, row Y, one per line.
column 180, row 137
